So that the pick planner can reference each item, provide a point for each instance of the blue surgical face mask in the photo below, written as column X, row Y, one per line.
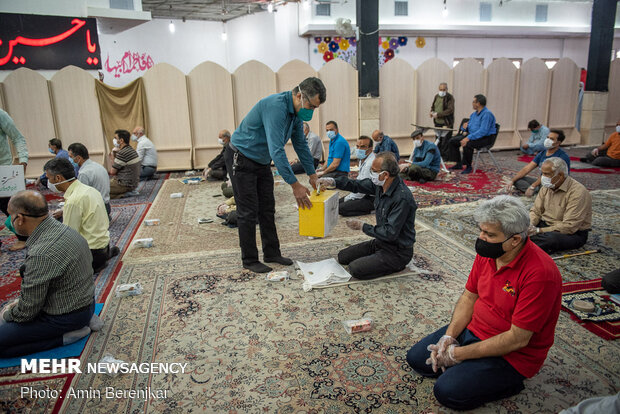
column 51, row 151
column 304, row 114
column 331, row 134
column 75, row 164
column 361, row 153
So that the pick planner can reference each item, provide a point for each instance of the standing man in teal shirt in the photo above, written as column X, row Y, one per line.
column 259, row 139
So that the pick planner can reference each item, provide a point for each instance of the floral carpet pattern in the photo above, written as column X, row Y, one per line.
column 258, row 346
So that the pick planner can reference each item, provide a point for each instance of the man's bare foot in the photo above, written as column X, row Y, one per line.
column 18, row 245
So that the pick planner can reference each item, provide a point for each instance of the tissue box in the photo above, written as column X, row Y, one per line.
column 319, row 220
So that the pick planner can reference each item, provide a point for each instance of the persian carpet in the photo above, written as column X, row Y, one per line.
column 147, row 191
column 258, row 346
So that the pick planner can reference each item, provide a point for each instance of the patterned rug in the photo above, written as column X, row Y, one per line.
column 147, row 191
column 125, row 221
column 180, row 234
column 456, row 188
column 578, row 166
column 256, row 346
column 456, row 223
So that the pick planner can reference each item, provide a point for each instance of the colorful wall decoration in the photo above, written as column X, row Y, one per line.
column 345, row 48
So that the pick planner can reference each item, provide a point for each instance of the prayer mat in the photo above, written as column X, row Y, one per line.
column 605, row 330
column 67, row 351
column 258, row 346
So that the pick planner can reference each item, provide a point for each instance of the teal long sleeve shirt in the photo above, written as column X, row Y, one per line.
column 266, row 129
column 8, row 130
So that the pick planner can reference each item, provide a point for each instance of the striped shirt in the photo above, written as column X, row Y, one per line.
column 127, row 165
column 58, row 273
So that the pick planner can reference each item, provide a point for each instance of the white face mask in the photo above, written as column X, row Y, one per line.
column 134, row 138
column 374, row 177
column 618, row 129
column 221, row 141
column 548, row 143
column 115, row 142
column 442, row 93
column 417, row 143
column 546, row 182
column 52, row 186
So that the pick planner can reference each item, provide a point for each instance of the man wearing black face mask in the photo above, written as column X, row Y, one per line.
column 503, row 325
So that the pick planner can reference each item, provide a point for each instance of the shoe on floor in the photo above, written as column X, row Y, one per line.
column 281, row 260
column 466, row 170
column 584, row 160
column 114, row 251
column 456, row 167
column 257, row 267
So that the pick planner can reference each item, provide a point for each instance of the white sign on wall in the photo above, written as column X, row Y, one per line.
column 11, row 180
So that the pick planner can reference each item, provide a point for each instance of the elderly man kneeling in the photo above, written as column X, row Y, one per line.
column 503, row 324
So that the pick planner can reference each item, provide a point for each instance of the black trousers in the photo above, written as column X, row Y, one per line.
column 358, row 207
column 373, row 258
column 100, row 258
column 4, row 205
column 253, row 189
column 299, row 169
column 468, row 150
column 554, row 241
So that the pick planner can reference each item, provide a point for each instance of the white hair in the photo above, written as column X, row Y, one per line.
column 558, row 165
column 507, row 211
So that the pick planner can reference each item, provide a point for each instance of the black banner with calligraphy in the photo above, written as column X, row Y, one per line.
column 48, row 42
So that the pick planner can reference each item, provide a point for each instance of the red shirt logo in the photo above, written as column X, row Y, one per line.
column 508, row 288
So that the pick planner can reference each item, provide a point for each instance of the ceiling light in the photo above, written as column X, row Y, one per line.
column 306, row 4
column 171, row 27
column 444, row 12
column 224, row 36
column 270, row 8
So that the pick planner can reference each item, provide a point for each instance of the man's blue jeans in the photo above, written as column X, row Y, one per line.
column 472, row 382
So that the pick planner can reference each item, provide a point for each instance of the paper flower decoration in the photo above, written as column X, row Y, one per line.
column 344, row 44
column 389, row 54
column 353, row 41
column 327, row 39
column 420, row 42
column 333, row 46
column 328, row 56
column 393, row 43
column 317, row 40
column 337, row 39
column 402, row 41
column 385, row 44
column 322, row 47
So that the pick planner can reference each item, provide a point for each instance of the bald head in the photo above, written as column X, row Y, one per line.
column 224, row 135
column 377, row 136
column 138, row 131
column 31, row 203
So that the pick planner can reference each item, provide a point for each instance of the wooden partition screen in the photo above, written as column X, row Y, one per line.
column 252, row 81
column 565, row 99
column 502, row 86
column 28, row 102
column 429, row 75
column 287, row 78
column 76, row 110
column 468, row 82
column 613, row 99
column 211, row 109
column 168, row 116
column 340, row 80
column 533, row 98
column 397, row 102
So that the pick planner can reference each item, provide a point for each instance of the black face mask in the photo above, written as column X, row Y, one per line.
column 490, row 250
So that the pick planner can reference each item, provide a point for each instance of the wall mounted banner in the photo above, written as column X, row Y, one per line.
column 48, row 42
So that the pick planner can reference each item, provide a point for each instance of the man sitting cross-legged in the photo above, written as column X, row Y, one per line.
column 504, row 322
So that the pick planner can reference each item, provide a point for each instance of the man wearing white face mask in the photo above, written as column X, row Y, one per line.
column 530, row 185
column 84, row 210
column 359, row 204
column 216, row 169
column 423, row 164
column 608, row 154
column 391, row 246
column 562, row 213
column 146, row 152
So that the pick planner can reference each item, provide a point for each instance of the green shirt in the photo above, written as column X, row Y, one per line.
column 9, row 130
column 438, row 107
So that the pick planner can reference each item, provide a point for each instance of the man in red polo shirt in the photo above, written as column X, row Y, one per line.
column 504, row 322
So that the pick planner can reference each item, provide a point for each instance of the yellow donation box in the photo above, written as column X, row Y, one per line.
column 319, row 220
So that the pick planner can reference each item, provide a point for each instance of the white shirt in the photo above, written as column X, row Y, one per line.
column 364, row 172
column 147, row 152
column 94, row 175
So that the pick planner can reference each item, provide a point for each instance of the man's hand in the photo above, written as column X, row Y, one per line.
column 532, row 230
column 529, row 192
column 205, row 172
column 355, row 224
column 314, row 180
column 525, row 146
column 57, row 214
column 446, row 359
column 595, row 152
column 439, row 351
column 6, row 308
column 301, row 194
column 403, row 167
column 326, row 182
column 509, row 187
column 320, row 173
column 464, row 142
